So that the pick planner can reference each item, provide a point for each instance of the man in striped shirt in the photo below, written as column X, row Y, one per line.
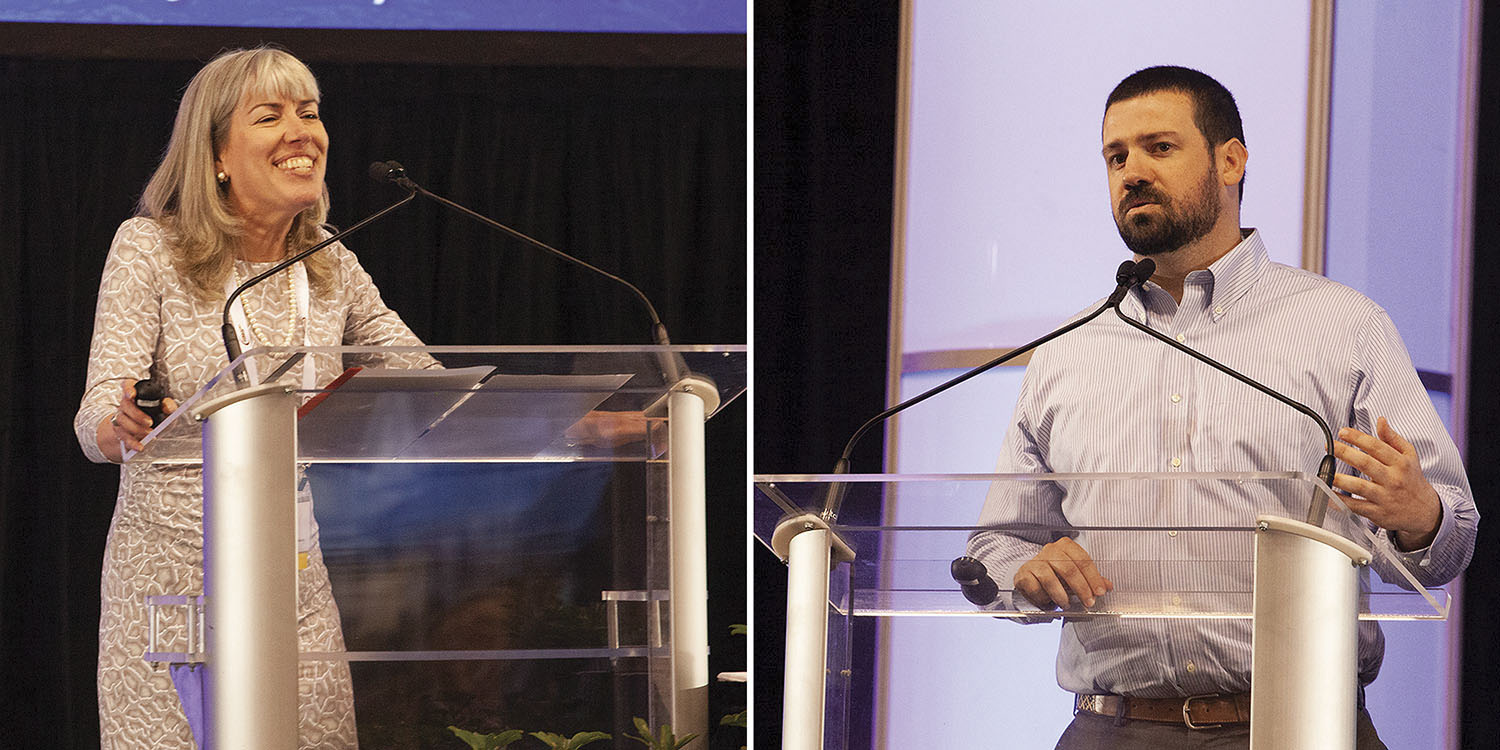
column 1107, row 398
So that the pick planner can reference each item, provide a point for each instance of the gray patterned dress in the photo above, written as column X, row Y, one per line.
column 148, row 323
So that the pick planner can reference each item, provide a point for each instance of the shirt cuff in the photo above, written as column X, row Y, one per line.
column 1421, row 558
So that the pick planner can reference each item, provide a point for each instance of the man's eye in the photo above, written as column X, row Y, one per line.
column 1161, row 147
column 310, row 115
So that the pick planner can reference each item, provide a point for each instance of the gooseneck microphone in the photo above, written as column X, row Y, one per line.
column 232, row 339
column 392, row 171
column 1125, row 278
column 1319, row 506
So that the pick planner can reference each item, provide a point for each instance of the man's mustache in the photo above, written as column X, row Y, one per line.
column 1137, row 196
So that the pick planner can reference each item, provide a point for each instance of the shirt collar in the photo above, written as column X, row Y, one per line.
column 1228, row 278
column 1236, row 272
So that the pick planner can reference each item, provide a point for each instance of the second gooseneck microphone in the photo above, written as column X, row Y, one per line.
column 1127, row 276
column 392, row 171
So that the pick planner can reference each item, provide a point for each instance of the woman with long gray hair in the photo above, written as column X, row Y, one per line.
column 239, row 188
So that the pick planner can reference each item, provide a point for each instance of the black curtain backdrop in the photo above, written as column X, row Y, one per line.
column 639, row 170
column 825, row 116
column 1481, row 603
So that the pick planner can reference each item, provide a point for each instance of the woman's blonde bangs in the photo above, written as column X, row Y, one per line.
column 275, row 74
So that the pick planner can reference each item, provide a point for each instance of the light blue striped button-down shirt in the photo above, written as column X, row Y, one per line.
column 1107, row 398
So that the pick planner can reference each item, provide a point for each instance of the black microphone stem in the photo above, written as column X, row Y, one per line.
column 658, row 331
column 835, row 496
column 231, row 339
column 1319, row 506
column 674, row 369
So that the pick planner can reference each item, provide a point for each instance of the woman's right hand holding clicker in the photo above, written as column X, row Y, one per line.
column 127, row 426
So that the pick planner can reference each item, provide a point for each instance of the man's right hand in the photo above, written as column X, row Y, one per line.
column 1061, row 567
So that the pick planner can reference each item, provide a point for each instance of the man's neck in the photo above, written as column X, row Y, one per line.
column 1172, row 267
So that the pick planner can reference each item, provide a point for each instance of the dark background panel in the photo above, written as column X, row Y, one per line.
column 640, row 169
column 825, row 114
column 1481, row 603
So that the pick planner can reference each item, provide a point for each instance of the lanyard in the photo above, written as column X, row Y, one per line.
column 302, row 299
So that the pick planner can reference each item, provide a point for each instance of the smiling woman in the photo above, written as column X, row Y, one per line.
column 239, row 188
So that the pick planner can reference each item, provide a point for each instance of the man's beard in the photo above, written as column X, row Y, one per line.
column 1172, row 228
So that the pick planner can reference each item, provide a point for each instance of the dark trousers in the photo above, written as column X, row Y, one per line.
column 1093, row 732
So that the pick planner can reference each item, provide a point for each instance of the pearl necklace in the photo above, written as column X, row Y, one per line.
column 291, row 303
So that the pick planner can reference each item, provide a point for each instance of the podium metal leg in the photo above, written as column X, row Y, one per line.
column 1304, row 667
column 689, row 581
column 250, row 568
column 806, row 682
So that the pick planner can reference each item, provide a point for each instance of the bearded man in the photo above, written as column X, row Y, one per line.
column 1107, row 398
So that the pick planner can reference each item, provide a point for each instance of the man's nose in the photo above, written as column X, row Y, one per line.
column 1135, row 171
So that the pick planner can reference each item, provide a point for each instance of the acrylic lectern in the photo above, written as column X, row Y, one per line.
column 1298, row 594
column 515, row 539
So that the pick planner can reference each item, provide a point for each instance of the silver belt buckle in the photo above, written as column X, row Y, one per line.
column 1091, row 703
column 1187, row 716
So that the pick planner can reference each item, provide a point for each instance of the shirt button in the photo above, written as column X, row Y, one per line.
column 1176, row 397
column 1191, row 667
column 1172, row 533
column 1177, row 602
column 1218, row 310
column 1176, row 462
column 1181, row 338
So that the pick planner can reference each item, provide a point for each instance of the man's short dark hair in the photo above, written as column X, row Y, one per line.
column 1214, row 110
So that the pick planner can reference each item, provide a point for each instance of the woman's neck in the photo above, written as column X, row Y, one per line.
column 264, row 242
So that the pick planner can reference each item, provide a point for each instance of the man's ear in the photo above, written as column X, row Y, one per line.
column 1231, row 157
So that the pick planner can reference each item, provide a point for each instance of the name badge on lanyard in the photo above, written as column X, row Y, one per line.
column 301, row 297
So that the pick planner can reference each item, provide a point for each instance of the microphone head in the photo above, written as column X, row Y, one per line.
column 967, row 571
column 1126, row 275
column 1143, row 271
column 387, row 171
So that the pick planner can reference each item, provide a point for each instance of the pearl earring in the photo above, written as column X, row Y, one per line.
column 223, row 178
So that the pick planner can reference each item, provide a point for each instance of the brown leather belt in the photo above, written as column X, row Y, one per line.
column 1196, row 712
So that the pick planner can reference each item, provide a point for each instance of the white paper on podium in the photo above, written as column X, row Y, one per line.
column 376, row 413
column 515, row 415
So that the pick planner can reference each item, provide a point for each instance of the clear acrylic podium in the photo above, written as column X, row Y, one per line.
column 1296, row 592
column 515, row 540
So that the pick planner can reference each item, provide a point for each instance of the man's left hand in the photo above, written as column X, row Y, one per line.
column 1396, row 496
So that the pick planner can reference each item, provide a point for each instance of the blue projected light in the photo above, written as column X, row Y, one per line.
column 638, row 16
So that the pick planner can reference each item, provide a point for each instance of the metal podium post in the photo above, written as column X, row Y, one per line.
column 810, row 549
column 1305, row 637
column 250, row 568
column 688, row 405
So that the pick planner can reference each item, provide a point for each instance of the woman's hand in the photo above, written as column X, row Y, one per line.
column 127, row 426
